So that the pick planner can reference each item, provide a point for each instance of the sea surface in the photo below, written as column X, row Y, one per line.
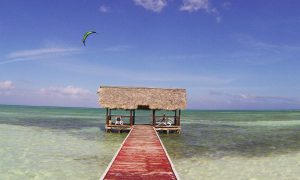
column 71, row 143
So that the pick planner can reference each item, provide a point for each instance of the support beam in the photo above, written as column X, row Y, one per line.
column 175, row 116
column 107, row 116
column 134, row 117
column 179, row 114
column 153, row 118
column 131, row 119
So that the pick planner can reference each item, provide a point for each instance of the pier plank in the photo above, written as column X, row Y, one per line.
column 141, row 156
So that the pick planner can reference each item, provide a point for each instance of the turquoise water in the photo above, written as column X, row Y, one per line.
column 71, row 143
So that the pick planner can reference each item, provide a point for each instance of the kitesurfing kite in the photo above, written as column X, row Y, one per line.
column 86, row 35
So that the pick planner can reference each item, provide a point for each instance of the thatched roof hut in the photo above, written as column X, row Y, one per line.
column 141, row 98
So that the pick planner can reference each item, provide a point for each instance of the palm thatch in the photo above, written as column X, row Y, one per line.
column 141, row 98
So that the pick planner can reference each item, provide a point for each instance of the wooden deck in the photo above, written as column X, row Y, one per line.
column 127, row 128
column 175, row 129
column 118, row 128
column 141, row 156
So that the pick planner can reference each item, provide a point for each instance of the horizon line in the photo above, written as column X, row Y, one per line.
column 189, row 109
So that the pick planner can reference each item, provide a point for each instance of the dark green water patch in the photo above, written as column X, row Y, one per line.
column 53, row 123
column 212, row 134
column 217, row 141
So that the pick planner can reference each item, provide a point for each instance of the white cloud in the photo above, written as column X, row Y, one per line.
column 153, row 5
column 68, row 91
column 35, row 54
column 188, row 5
column 6, row 85
column 257, row 44
column 246, row 97
column 39, row 52
column 196, row 5
column 104, row 9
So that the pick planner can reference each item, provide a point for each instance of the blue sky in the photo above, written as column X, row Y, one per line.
column 227, row 54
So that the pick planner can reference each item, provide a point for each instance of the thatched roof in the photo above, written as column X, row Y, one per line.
column 141, row 98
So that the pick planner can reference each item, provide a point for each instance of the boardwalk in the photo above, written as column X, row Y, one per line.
column 141, row 156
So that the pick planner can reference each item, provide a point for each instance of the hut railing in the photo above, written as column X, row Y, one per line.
column 173, row 118
column 125, row 119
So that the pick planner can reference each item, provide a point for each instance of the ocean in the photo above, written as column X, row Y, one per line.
column 71, row 143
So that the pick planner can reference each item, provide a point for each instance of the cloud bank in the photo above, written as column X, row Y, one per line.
column 49, row 96
column 187, row 5
column 69, row 91
column 6, row 85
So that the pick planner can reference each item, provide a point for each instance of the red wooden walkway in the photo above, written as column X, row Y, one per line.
column 141, row 156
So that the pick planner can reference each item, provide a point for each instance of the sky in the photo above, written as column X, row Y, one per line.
column 227, row 54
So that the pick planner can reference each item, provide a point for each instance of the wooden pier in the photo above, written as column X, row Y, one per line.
column 141, row 156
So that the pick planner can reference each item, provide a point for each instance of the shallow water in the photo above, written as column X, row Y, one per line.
column 237, row 145
column 54, row 143
column 70, row 143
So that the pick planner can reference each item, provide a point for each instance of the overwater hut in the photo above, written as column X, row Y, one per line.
column 136, row 98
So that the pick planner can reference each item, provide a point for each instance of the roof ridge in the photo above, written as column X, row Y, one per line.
column 136, row 87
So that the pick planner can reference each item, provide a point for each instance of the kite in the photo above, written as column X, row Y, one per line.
column 86, row 35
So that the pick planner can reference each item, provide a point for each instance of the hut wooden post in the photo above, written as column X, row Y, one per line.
column 131, row 119
column 107, row 116
column 153, row 118
column 134, row 117
column 175, row 117
column 179, row 114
